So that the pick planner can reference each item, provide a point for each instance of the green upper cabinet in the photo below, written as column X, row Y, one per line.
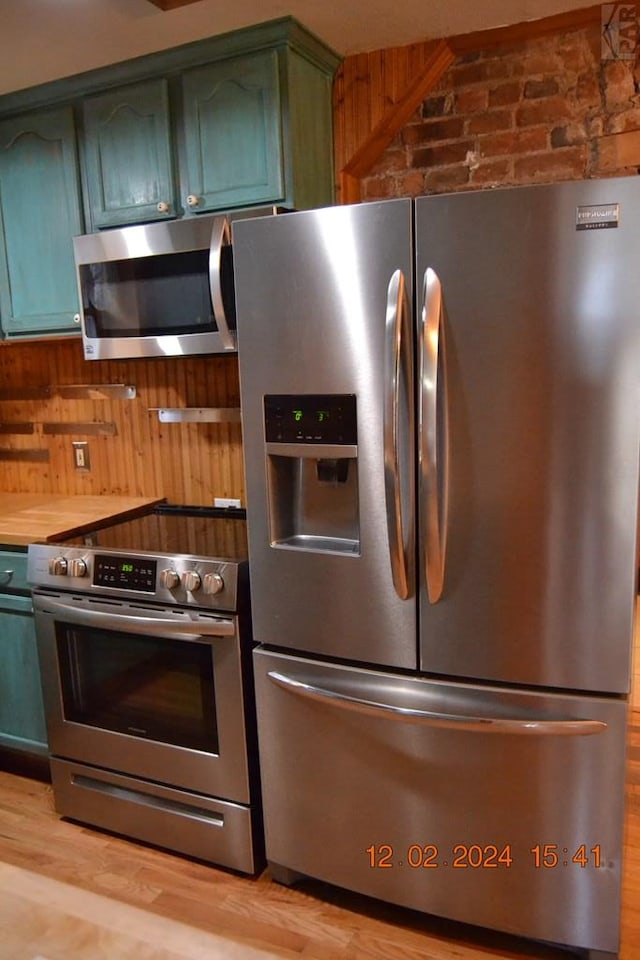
column 127, row 150
column 233, row 150
column 238, row 120
column 257, row 129
column 40, row 211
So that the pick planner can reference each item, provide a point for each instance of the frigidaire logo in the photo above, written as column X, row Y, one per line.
column 601, row 216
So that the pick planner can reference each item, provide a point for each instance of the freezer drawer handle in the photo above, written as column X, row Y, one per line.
column 398, row 367
column 220, row 237
column 434, row 436
column 537, row 727
column 162, row 627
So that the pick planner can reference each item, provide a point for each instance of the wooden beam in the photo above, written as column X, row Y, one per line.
column 527, row 30
column 439, row 59
column 619, row 150
column 171, row 4
column 441, row 56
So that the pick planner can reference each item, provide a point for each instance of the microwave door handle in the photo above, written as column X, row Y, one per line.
column 434, row 436
column 220, row 237
column 160, row 626
column 398, row 367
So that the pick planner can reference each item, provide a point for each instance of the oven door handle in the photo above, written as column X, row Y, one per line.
column 160, row 626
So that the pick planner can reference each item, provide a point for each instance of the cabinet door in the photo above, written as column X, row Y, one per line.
column 39, row 214
column 233, row 140
column 128, row 155
column 22, row 724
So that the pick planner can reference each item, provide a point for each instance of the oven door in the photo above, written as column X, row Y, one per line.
column 151, row 691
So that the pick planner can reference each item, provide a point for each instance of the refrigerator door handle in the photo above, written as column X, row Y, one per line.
column 434, row 436
column 398, row 372
column 533, row 726
column 220, row 237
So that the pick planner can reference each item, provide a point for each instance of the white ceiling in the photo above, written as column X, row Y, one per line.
column 43, row 40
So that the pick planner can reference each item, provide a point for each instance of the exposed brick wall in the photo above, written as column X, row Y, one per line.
column 537, row 111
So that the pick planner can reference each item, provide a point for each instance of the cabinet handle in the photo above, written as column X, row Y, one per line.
column 193, row 201
column 6, row 576
column 164, row 207
column 76, row 318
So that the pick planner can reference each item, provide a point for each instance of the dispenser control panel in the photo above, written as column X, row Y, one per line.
column 310, row 418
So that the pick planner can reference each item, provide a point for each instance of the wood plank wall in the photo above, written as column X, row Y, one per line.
column 366, row 86
column 186, row 463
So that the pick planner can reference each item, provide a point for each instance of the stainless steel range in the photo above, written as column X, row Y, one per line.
column 145, row 649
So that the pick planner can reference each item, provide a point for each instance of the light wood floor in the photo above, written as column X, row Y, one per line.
column 71, row 893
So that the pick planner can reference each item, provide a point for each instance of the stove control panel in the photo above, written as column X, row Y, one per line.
column 176, row 579
column 129, row 573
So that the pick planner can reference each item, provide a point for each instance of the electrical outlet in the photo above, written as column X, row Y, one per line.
column 81, row 455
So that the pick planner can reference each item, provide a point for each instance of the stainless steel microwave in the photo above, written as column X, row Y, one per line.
column 159, row 289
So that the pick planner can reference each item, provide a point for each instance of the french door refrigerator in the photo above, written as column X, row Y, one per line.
column 440, row 405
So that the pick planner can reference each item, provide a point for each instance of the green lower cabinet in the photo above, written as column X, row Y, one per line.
column 22, row 723
column 40, row 212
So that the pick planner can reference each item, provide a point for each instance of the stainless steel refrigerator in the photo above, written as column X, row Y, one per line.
column 440, row 409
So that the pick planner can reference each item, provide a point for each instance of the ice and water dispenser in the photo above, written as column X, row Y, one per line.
column 312, row 472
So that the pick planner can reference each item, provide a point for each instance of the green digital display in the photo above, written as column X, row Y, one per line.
column 314, row 416
column 126, row 568
column 310, row 418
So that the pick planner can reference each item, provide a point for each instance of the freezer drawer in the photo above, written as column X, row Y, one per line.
column 496, row 807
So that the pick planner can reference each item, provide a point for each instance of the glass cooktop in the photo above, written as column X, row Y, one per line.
column 201, row 531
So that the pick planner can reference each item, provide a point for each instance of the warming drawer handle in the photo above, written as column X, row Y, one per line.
column 6, row 576
column 434, row 436
column 398, row 365
column 172, row 629
column 536, row 727
column 220, row 237
column 163, row 804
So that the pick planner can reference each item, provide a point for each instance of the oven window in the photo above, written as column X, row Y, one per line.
column 146, row 687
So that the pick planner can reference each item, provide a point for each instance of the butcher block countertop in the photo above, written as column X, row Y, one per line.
column 30, row 517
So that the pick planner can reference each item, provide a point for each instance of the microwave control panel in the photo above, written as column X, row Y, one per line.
column 310, row 418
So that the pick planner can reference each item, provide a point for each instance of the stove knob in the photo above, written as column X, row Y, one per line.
column 169, row 579
column 213, row 583
column 191, row 581
column 77, row 568
column 58, row 567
